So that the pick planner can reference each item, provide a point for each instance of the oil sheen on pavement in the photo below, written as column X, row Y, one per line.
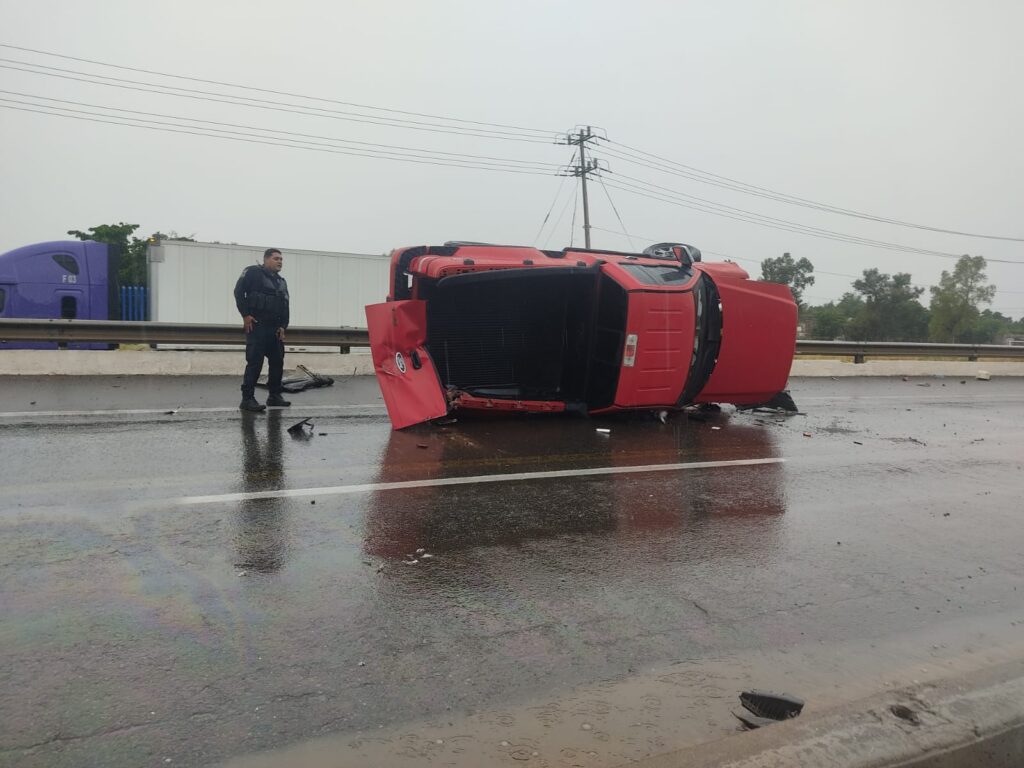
column 160, row 607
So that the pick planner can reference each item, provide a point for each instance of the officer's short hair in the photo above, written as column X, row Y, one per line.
column 270, row 252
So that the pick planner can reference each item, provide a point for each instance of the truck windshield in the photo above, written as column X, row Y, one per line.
column 658, row 275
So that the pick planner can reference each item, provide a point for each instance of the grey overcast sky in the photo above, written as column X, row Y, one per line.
column 906, row 110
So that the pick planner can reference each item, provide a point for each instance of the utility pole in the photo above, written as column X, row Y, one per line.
column 582, row 169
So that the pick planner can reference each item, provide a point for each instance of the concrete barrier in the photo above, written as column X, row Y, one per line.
column 964, row 722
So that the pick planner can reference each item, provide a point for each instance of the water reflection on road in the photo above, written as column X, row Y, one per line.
column 261, row 525
column 451, row 518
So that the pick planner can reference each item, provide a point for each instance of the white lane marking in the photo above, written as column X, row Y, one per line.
column 156, row 411
column 335, row 490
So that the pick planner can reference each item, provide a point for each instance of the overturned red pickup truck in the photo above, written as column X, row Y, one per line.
column 512, row 329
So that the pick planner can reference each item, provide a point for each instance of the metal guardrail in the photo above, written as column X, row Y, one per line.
column 859, row 350
column 119, row 332
column 114, row 332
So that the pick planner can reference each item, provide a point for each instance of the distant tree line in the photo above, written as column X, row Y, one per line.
column 884, row 307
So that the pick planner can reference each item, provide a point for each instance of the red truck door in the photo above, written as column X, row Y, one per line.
column 408, row 380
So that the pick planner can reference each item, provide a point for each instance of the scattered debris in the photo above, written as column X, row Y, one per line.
column 380, row 568
column 857, row 442
column 32, row 403
column 426, row 556
column 776, row 706
column 241, row 573
column 422, row 445
column 716, row 427
column 322, row 434
column 983, row 376
column 945, row 514
column 807, row 434
column 751, row 721
column 663, row 417
column 299, row 383
column 913, row 440
column 603, row 431
column 905, row 713
column 299, row 429
column 420, row 551
column 782, row 401
column 922, row 385
column 764, row 708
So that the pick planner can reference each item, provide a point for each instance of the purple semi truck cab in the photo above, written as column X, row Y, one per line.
column 70, row 279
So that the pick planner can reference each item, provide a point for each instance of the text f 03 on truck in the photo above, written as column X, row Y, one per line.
column 475, row 327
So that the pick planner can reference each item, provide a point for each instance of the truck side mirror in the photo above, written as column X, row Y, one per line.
column 685, row 254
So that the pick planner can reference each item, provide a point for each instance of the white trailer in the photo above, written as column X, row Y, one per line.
column 193, row 282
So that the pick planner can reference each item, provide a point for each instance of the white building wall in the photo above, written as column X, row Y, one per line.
column 193, row 283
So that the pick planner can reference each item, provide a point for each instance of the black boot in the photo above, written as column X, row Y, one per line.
column 250, row 404
column 278, row 402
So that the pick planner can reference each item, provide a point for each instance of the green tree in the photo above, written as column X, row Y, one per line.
column 824, row 322
column 797, row 274
column 128, row 250
column 955, row 312
column 891, row 310
column 830, row 321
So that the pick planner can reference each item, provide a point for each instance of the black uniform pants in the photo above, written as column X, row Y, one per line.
column 261, row 343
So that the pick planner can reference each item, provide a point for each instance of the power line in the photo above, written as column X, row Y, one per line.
column 282, row 107
column 282, row 143
column 753, row 218
column 561, row 215
column 275, row 93
column 626, row 152
column 401, row 121
column 741, row 211
column 616, row 210
column 629, row 154
column 502, row 160
column 748, row 217
column 555, row 200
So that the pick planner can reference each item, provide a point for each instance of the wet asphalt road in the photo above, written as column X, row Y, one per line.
column 153, row 610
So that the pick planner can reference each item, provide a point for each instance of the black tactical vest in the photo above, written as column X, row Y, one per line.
column 266, row 294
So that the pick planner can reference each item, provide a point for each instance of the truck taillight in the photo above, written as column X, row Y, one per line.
column 629, row 353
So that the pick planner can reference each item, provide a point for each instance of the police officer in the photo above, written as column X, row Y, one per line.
column 261, row 295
